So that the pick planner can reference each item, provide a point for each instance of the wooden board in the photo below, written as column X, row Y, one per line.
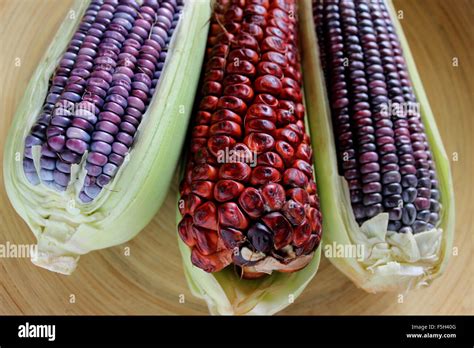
column 151, row 280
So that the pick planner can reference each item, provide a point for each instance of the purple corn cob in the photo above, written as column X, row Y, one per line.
column 100, row 92
column 382, row 147
column 37, row 135
column 79, row 104
column 108, row 154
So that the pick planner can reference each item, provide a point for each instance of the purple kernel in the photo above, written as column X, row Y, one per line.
column 109, row 116
column 105, row 75
column 97, row 158
column 372, row 198
column 395, row 214
column 82, row 124
column 88, row 106
column 92, row 191
column 28, row 153
column 110, row 169
column 77, row 145
column 140, row 31
column 422, row 203
column 104, row 60
column 390, row 167
column 47, row 151
column 164, row 22
column 118, row 99
column 124, row 138
column 141, row 86
column 103, row 180
column 423, row 215
column 372, row 187
column 86, row 51
column 119, row 148
column 46, row 175
column 59, row 80
column 107, row 126
column 29, row 166
column 32, row 178
column 126, row 9
column 84, row 198
column 370, row 177
column 135, row 113
column 419, row 226
column 101, row 147
column 114, row 107
column 123, row 22
column 61, row 121
column 391, row 177
column 116, row 159
column 140, row 77
column 124, row 70
column 61, row 178
column 409, row 181
column 93, row 170
column 52, row 98
column 31, row 140
column 84, row 73
column 54, row 131
column 74, row 87
column 146, row 64
column 102, row 136
column 119, row 90
column 86, row 65
column 47, row 163
column 63, row 166
column 369, row 168
column 96, row 91
column 373, row 210
column 409, row 214
column 392, row 201
column 128, row 128
column 121, row 79
column 57, row 142
column 368, row 157
column 136, row 103
column 70, row 157
column 77, row 133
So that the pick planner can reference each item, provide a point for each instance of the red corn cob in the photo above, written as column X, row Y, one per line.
column 248, row 196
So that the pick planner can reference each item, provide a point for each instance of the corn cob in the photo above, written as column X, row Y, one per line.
column 257, row 208
column 383, row 156
column 383, row 151
column 77, row 187
column 99, row 105
column 249, row 222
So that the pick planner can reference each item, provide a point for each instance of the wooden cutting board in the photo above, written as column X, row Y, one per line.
column 151, row 280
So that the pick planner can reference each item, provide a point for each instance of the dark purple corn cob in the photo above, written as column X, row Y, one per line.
column 382, row 147
column 100, row 91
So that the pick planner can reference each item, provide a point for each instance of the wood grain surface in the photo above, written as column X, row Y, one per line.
column 151, row 280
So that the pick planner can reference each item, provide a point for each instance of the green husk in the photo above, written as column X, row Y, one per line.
column 65, row 228
column 391, row 261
